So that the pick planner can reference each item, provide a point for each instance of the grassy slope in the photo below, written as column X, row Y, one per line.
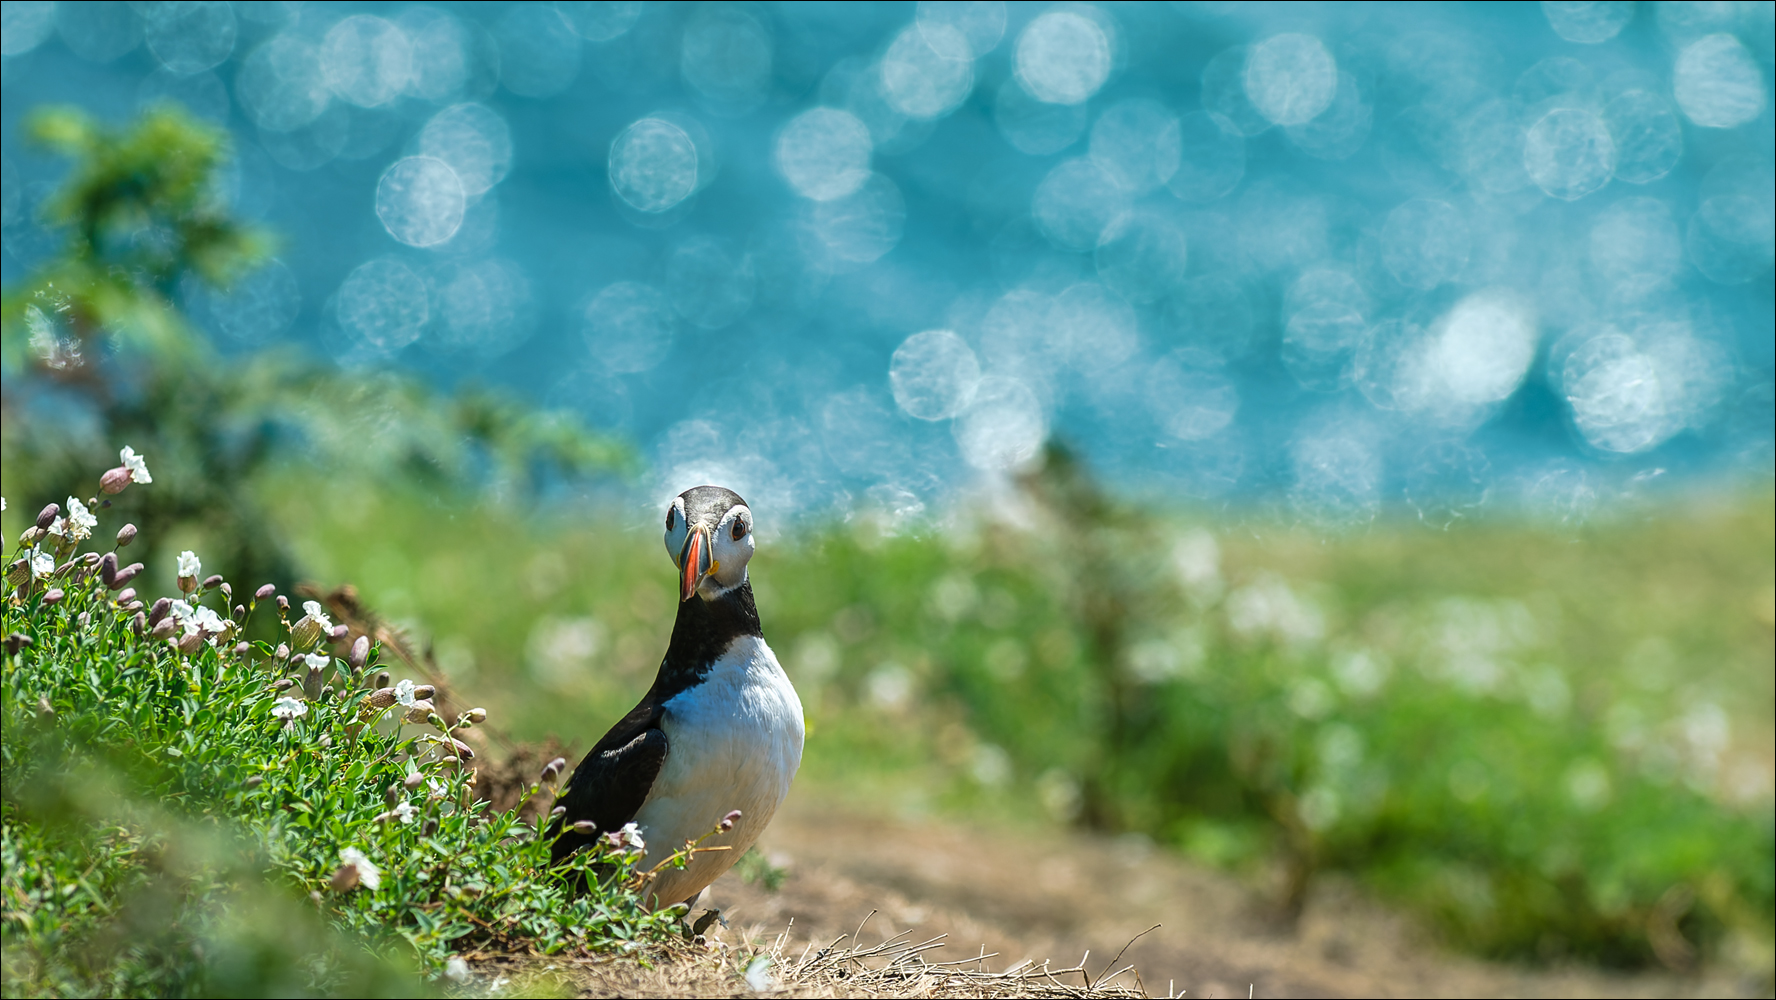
column 1549, row 739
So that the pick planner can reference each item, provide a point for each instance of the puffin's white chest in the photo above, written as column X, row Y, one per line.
column 735, row 743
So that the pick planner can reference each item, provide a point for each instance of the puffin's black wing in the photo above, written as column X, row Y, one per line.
column 613, row 780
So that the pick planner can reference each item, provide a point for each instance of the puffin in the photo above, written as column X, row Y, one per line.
column 720, row 730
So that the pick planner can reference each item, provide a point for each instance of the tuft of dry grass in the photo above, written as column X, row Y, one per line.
column 845, row 967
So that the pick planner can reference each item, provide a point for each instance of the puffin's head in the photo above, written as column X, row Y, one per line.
column 709, row 537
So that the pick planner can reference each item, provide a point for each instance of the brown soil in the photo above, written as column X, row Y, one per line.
column 1052, row 895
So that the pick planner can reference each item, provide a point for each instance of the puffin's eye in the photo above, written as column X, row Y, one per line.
column 739, row 529
column 671, row 518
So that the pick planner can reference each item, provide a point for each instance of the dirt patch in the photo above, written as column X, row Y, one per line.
column 1040, row 895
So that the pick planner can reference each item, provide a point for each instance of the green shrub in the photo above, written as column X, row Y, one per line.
column 183, row 814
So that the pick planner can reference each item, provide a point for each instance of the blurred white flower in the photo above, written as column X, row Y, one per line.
column 404, row 693
column 317, row 614
column 137, row 466
column 208, row 622
column 368, row 874
column 189, row 564
column 288, row 708
column 405, row 812
column 628, row 837
column 58, row 528
column 80, row 521
column 42, row 563
column 316, row 661
column 457, row 969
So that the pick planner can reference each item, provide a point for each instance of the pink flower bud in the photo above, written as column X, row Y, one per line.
column 108, row 569
column 53, row 596
column 126, row 535
column 475, row 716
column 164, row 629
column 242, row 648
column 420, row 710
column 311, row 685
column 47, row 516
column 253, row 781
column 114, row 480
column 382, row 697
column 240, row 611
column 360, row 652
column 283, row 685
column 558, row 812
column 126, row 595
column 414, row 780
column 159, row 611
column 283, row 652
column 729, row 820
column 139, row 624
column 227, row 591
column 265, row 591
column 190, row 644
column 382, row 678
column 345, row 879
column 424, row 691
column 126, row 574
column 585, row 827
column 459, row 749
column 283, row 603
column 212, row 581
column 553, row 769
column 340, row 632
column 392, row 794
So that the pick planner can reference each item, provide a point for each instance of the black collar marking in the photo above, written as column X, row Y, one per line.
column 615, row 776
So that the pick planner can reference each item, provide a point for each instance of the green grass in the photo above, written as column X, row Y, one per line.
column 200, row 820
column 1553, row 742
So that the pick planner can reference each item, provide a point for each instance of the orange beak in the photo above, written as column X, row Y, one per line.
column 694, row 564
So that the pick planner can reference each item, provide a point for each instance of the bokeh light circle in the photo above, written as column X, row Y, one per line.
column 1291, row 78
column 1062, row 57
column 1003, row 427
column 653, row 165
column 933, row 375
column 420, row 201
column 1569, row 153
column 824, row 153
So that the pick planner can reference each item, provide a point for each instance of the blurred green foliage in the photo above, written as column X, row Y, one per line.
column 97, row 355
column 181, row 819
column 1553, row 742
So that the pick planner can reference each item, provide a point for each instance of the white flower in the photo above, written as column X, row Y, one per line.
column 404, row 693
column 80, row 521
column 208, row 622
column 189, row 564
column 405, row 812
column 288, row 708
column 318, row 614
column 456, row 970
column 316, row 661
column 58, row 528
column 2, row 505
column 368, row 874
column 42, row 562
column 630, row 835
column 137, row 466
